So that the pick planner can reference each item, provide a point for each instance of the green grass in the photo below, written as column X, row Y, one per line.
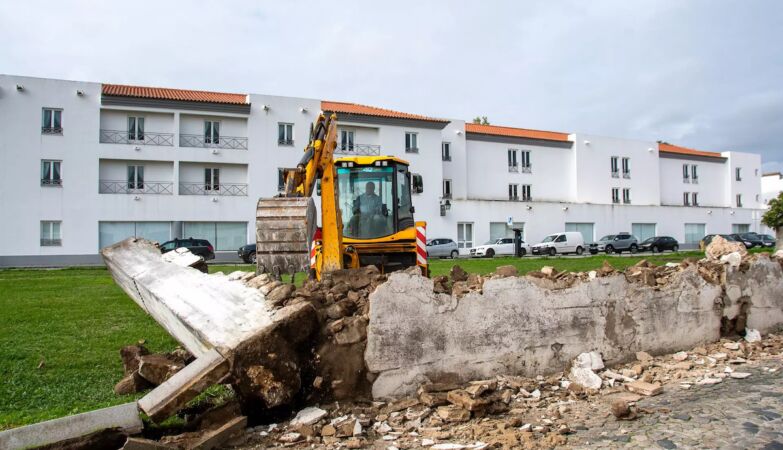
column 76, row 320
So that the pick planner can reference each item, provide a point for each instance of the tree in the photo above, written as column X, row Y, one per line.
column 481, row 120
column 773, row 218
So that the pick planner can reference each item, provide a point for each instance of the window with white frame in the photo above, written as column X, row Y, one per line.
column 686, row 199
column 626, row 167
column 739, row 200
column 211, row 179
column 738, row 173
column 525, row 160
column 285, row 134
column 526, row 195
column 694, row 232
column 615, row 195
column 211, row 132
column 50, row 173
column 512, row 160
column 686, row 175
column 695, row 173
column 51, row 121
column 135, row 177
column 626, row 195
column 695, row 199
column 446, row 188
column 512, row 192
column 346, row 140
column 465, row 235
column 445, row 149
column 135, row 128
column 50, row 233
column 740, row 228
column 411, row 142
column 614, row 167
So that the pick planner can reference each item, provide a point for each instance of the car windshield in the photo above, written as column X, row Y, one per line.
column 499, row 241
column 550, row 238
column 648, row 240
column 608, row 237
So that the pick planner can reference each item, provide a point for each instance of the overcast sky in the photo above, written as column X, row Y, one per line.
column 706, row 74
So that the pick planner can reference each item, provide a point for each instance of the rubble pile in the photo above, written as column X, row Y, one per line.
column 143, row 370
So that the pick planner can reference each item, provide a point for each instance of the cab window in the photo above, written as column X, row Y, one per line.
column 365, row 196
column 561, row 238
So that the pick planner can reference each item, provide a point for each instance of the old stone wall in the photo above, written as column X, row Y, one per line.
column 518, row 325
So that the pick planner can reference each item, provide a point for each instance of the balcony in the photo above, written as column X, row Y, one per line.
column 285, row 142
column 201, row 141
column 129, row 187
column 527, row 169
column 223, row 189
column 51, row 242
column 358, row 149
column 446, row 157
column 695, row 180
column 52, row 130
column 145, row 138
column 513, row 198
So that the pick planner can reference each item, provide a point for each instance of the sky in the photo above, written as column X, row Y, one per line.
column 706, row 74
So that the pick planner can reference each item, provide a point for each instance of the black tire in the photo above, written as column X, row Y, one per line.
column 552, row 251
column 489, row 253
column 634, row 248
column 609, row 249
column 523, row 252
column 676, row 248
column 654, row 249
column 580, row 250
column 454, row 254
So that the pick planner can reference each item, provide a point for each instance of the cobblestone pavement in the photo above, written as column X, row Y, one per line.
column 734, row 414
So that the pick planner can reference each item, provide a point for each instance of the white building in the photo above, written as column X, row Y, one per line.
column 86, row 164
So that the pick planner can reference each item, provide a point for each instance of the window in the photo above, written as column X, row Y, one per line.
column 222, row 235
column 694, row 173
column 526, row 196
column 643, row 231
column 615, row 195
column 695, row 199
column 50, row 173
column 446, row 188
column 740, row 228
column 626, row 167
column 50, row 233
column 285, row 134
column 585, row 228
column 499, row 230
column 756, row 172
column 525, row 160
column 694, row 232
column 738, row 172
column 411, row 142
column 686, row 199
column 52, row 121
column 113, row 232
column 739, row 200
column 626, row 195
column 211, row 179
column 211, row 132
column 686, row 178
column 346, row 140
column 512, row 192
column 465, row 235
column 445, row 149
column 135, row 177
column 512, row 160
column 135, row 128
column 615, row 170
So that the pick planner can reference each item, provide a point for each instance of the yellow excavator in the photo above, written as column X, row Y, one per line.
column 366, row 213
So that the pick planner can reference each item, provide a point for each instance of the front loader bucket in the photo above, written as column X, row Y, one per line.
column 284, row 229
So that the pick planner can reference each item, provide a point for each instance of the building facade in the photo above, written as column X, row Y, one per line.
column 87, row 164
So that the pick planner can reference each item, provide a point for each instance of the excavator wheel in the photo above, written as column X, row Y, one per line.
column 284, row 229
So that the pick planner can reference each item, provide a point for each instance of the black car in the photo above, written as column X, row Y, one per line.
column 754, row 239
column 657, row 244
column 200, row 247
column 247, row 253
column 768, row 240
column 738, row 237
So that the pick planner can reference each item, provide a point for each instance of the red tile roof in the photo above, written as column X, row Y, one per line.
column 496, row 130
column 355, row 108
column 669, row 148
column 174, row 94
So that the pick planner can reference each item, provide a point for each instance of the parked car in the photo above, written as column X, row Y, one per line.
column 615, row 243
column 657, row 244
column 247, row 253
column 560, row 243
column 705, row 241
column 502, row 246
column 200, row 247
column 753, row 238
column 442, row 248
column 768, row 240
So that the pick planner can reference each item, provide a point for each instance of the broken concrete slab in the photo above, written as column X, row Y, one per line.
column 103, row 427
column 644, row 388
column 215, row 438
column 157, row 368
column 136, row 443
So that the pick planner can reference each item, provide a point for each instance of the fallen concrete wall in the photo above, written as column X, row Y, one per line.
column 517, row 326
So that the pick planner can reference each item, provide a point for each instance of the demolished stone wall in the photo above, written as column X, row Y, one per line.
column 519, row 325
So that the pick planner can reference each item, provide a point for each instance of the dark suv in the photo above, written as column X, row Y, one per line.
column 657, row 244
column 247, row 253
column 200, row 247
column 753, row 239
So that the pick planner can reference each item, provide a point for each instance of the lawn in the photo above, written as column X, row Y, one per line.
column 61, row 331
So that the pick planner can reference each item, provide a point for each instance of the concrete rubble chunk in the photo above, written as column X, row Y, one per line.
column 585, row 377
column 644, row 388
column 733, row 259
column 157, row 368
column 308, row 416
column 589, row 360
column 680, row 356
column 720, row 247
column 752, row 335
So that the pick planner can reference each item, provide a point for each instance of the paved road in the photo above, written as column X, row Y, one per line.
column 734, row 414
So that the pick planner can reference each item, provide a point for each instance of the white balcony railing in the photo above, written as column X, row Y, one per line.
column 135, row 187
column 223, row 189
column 145, row 138
column 202, row 141
column 344, row 148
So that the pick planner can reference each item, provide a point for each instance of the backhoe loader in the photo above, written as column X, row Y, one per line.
column 366, row 213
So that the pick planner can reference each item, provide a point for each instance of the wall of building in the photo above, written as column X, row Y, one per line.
column 711, row 186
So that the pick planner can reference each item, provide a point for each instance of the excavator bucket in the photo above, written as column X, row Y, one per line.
column 284, row 229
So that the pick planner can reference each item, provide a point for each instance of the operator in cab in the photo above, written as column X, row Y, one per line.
column 368, row 213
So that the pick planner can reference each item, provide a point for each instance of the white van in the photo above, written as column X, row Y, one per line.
column 560, row 243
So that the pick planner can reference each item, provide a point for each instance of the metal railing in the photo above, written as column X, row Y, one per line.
column 412, row 150
column 51, row 130
column 627, row 175
column 51, row 242
column 126, row 137
column 130, row 187
column 695, row 180
column 526, row 169
column 358, row 149
column 225, row 189
column 285, row 142
column 513, row 198
column 686, row 180
column 615, row 174
column 513, row 168
column 199, row 140
column 51, row 182
column 527, row 199
column 446, row 157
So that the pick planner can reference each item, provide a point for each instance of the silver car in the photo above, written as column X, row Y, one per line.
column 442, row 248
